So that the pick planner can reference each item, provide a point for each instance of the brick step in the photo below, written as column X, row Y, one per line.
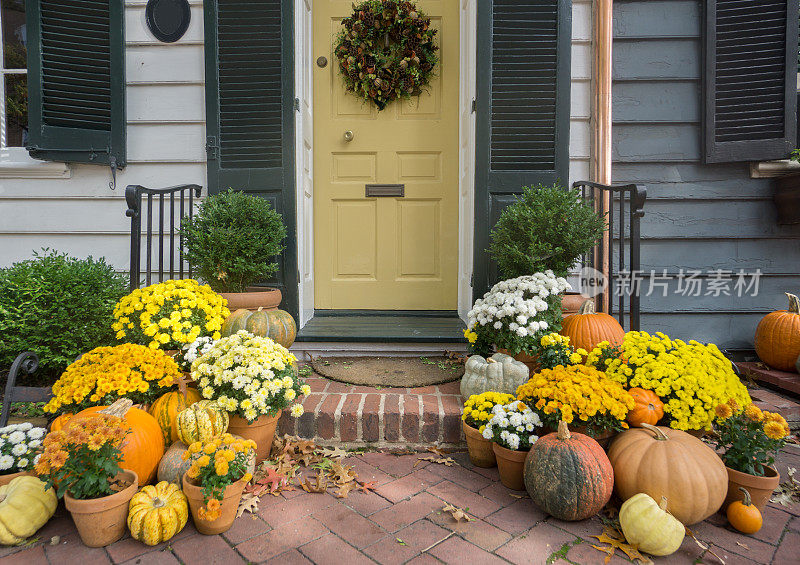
column 340, row 413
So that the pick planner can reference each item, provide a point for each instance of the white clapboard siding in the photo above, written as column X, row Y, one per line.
column 166, row 135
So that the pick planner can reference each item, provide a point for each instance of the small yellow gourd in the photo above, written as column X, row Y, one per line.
column 201, row 421
column 649, row 526
column 25, row 506
column 157, row 513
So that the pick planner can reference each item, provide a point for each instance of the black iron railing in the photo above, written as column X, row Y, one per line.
column 173, row 204
column 26, row 363
column 626, row 208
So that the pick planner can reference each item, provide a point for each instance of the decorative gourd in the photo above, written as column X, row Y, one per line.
column 275, row 324
column 660, row 462
column 587, row 328
column 143, row 447
column 165, row 410
column 201, row 421
column 172, row 466
column 60, row 422
column 778, row 337
column 648, row 408
column 649, row 527
column 568, row 475
column 744, row 515
column 498, row 373
column 25, row 506
column 157, row 512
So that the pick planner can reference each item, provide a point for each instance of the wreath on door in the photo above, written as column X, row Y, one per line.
column 386, row 51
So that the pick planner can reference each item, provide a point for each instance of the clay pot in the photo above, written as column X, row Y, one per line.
column 480, row 449
column 5, row 479
column 261, row 430
column 101, row 521
column 511, row 466
column 571, row 303
column 760, row 488
column 530, row 361
column 228, row 506
column 604, row 439
column 256, row 297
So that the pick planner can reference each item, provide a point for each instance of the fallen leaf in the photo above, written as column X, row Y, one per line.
column 512, row 495
column 744, row 545
column 55, row 540
column 448, row 461
column 270, row 482
column 333, row 452
column 321, row 484
column 457, row 513
column 437, row 451
column 401, row 542
column 704, row 546
column 616, row 540
column 341, row 473
column 367, row 486
column 345, row 489
column 788, row 492
column 248, row 503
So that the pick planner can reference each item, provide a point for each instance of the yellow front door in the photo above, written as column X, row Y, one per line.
column 392, row 253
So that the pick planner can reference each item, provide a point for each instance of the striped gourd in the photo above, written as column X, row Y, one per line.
column 275, row 324
column 165, row 410
column 201, row 421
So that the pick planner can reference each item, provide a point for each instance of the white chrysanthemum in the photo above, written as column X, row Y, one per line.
column 16, row 437
column 6, row 461
column 34, row 443
column 19, row 449
column 36, row 433
column 513, row 441
column 25, row 426
column 36, row 459
column 22, row 463
column 297, row 410
column 488, row 433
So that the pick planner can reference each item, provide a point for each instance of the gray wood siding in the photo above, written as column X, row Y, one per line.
column 697, row 216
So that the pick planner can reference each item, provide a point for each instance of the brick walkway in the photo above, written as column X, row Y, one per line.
column 402, row 522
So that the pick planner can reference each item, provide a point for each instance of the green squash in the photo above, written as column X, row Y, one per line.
column 278, row 325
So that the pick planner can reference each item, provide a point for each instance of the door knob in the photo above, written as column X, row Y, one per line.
column 348, row 136
column 322, row 62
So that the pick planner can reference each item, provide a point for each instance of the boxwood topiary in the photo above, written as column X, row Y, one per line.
column 58, row 307
column 548, row 227
column 232, row 240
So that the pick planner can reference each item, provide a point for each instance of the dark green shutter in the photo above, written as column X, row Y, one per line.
column 523, row 86
column 750, row 80
column 250, row 112
column 76, row 80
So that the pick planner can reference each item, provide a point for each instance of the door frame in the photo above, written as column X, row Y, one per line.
column 304, row 88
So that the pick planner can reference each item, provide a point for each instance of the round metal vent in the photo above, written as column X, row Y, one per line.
column 168, row 20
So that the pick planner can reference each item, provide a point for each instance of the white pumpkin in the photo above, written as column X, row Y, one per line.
column 648, row 526
column 498, row 373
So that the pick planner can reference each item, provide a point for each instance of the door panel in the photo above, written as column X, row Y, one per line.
column 386, row 252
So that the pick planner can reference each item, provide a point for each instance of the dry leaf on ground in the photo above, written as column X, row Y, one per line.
column 248, row 503
column 457, row 513
column 704, row 546
column 788, row 492
column 449, row 461
column 616, row 540
column 333, row 453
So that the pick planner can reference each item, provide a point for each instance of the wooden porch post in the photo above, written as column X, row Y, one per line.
column 601, row 126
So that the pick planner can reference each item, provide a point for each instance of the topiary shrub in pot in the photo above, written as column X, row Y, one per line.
column 548, row 227
column 232, row 242
column 57, row 306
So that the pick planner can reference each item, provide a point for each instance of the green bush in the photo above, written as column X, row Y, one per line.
column 232, row 240
column 58, row 307
column 548, row 227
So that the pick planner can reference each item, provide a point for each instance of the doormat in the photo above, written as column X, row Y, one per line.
column 389, row 371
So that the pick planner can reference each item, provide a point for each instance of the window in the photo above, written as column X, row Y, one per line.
column 13, row 75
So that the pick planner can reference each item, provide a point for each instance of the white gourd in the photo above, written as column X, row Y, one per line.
column 498, row 373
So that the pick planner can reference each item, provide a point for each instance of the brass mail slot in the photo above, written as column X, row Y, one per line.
column 385, row 190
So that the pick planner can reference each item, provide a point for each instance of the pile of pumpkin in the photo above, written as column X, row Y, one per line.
column 176, row 419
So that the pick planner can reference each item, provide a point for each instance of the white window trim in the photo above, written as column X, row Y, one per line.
column 16, row 162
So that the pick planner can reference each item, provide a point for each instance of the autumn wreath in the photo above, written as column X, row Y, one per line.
column 386, row 51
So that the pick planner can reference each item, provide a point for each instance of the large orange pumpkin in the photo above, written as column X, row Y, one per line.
column 60, row 422
column 275, row 324
column 587, row 328
column 568, row 475
column 778, row 336
column 165, row 411
column 660, row 462
column 143, row 447
column 648, row 408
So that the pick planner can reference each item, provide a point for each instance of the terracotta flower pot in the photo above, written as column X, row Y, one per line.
column 511, row 466
column 101, row 521
column 571, row 303
column 760, row 488
column 531, row 361
column 604, row 438
column 228, row 506
column 5, row 479
column 480, row 449
column 256, row 297
column 261, row 430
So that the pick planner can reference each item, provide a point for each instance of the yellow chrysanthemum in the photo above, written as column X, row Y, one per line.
column 774, row 430
column 723, row 411
column 753, row 413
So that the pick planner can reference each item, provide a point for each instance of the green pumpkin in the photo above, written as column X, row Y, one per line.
column 568, row 475
column 278, row 325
